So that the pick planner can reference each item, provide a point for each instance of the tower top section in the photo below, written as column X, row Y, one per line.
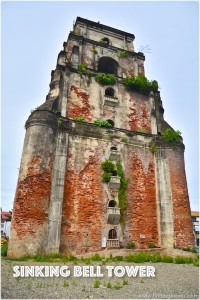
column 96, row 31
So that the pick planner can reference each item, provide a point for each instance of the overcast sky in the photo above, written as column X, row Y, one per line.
column 33, row 34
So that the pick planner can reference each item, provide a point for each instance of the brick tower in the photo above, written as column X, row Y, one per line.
column 95, row 171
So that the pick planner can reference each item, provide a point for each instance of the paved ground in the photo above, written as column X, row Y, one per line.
column 171, row 281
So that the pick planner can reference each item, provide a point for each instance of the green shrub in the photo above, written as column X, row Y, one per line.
column 106, row 177
column 105, row 79
column 65, row 283
column 130, row 245
column 151, row 245
column 108, row 166
column 82, row 69
column 140, row 84
column 171, row 136
column 123, row 53
column 102, row 123
column 4, row 249
column 79, row 118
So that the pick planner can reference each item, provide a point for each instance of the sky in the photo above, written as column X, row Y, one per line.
column 32, row 35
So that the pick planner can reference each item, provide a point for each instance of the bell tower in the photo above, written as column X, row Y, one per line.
column 95, row 171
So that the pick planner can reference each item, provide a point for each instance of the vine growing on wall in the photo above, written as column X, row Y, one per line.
column 123, row 201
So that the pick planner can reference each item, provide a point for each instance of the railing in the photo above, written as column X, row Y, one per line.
column 114, row 243
column 113, row 210
column 113, row 101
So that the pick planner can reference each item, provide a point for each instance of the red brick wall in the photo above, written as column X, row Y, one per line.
column 85, row 202
column 181, row 206
column 141, row 218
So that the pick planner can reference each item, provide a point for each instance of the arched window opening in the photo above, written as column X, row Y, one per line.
column 112, row 203
column 112, row 234
column 111, row 122
column 108, row 65
column 110, row 92
column 113, row 148
column 106, row 41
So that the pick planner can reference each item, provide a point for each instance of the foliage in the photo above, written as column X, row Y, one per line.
column 141, row 130
column 123, row 53
column 122, row 193
column 130, row 245
column 94, row 50
column 65, row 283
column 102, row 123
column 171, row 136
column 105, row 79
column 96, row 257
column 153, row 148
column 4, row 249
column 183, row 260
column 125, row 281
column 140, row 84
column 59, row 121
column 102, row 42
column 109, row 285
column 82, row 69
column 97, row 283
column 151, row 245
column 79, row 118
column 124, row 139
column 108, row 167
column 118, row 285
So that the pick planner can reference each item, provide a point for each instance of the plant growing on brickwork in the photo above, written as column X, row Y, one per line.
column 141, row 130
column 171, row 136
column 102, row 123
column 105, row 79
column 153, row 148
column 79, row 118
column 124, row 139
column 122, row 193
column 108, row 167
column 94, row 50
column 102, row 42
column 140, row 84
column 123, row 53
column 59, row 121
column 82, row 69
column 151, row 245
column 130, row 245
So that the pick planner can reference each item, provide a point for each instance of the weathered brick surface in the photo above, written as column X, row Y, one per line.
column 141, row 219
column 79, row 104
column 85, row 202
column 139, row 115
column 183, row 229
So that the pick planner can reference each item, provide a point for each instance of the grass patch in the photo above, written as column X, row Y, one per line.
column 183, row 260
column 109, row 285
column 125, row 282
column 118, row 285
column 65, row 283
column 96, row 283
